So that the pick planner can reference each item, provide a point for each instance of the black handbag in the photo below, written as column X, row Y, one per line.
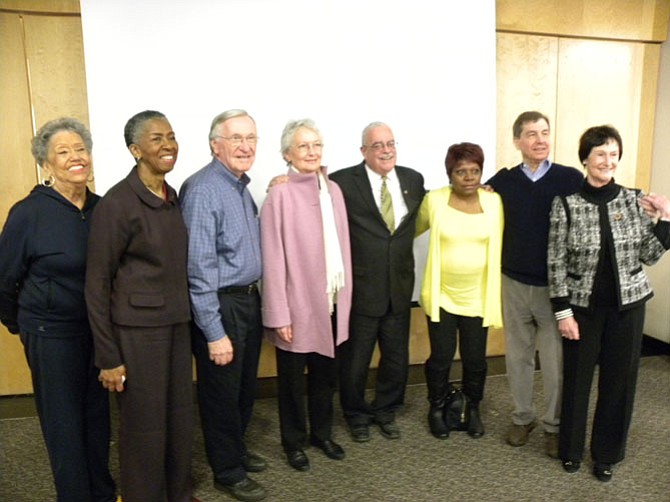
column 457, row 410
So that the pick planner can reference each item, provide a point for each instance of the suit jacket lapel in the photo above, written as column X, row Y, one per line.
column 365, row 190
column 411, row 202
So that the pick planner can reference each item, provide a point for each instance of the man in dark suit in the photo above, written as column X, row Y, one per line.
column 382, row 203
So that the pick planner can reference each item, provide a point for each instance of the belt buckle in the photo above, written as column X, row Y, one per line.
column 250, row 288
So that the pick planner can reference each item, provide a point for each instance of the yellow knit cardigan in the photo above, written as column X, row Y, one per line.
column 431, row 215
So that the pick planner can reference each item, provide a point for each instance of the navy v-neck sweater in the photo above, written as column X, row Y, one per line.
column 527, row 205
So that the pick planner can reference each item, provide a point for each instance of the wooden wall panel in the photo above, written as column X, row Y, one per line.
column 599, row 82
column 647, row 115
column 55, row 50
column 50, row 50
column 47, row 6
column 17, row 176
column 644, row 20
column 526, row 73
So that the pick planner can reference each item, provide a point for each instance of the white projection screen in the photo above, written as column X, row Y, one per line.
column 425, row 67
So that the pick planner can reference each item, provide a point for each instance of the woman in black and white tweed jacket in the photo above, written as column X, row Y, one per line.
column 598, row 241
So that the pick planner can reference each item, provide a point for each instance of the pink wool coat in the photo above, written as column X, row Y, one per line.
column 294, row 266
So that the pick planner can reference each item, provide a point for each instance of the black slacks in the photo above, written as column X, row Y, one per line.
column 73, row 409
column 613, row 340
column 472, row 345
column 321, row 386
column 156, row 414
column 226, row 394
column 392, row 332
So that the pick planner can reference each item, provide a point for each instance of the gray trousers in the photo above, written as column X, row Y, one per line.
column 530, row 326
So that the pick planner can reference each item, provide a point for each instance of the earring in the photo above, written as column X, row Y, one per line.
column 49, row 182
column 91, row 178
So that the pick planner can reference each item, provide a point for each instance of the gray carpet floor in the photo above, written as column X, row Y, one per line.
column 415, row 467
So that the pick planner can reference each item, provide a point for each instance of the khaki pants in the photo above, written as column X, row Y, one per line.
column 530, row 326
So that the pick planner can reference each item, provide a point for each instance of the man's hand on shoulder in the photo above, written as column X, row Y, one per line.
column 277, row 180
column 221, row 351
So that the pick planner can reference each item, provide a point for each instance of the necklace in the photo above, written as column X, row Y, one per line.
column 159, row 195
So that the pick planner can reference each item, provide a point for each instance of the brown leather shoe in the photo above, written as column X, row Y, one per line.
column 518, row 434
column 551, row 444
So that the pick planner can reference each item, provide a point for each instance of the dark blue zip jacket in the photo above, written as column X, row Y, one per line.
column 43, row 265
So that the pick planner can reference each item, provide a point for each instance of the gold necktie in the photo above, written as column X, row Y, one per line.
column 387, row 206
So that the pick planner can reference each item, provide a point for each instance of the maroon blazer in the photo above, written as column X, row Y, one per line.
column 136, row 265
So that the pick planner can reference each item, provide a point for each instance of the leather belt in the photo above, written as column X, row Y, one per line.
column 240, row 290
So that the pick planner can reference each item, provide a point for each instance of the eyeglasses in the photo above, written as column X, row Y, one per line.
column 380, row 145
column 306, row 147
column 237, row 140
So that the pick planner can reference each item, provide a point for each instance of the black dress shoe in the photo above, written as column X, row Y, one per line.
column 329, row 447
column 253, row 463
column 360, row 433
column 603, row 472
column 298, row 460
column 389, row 430
column 571, row 466
column 246, row 490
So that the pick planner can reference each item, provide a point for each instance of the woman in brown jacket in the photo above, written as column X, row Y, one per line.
column 137, row 296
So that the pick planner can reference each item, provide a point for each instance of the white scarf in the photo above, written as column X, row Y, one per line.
column 334, row 264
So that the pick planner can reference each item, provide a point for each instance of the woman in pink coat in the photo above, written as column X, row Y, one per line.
column 306, row 290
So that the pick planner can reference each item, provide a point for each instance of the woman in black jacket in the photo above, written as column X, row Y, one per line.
column 42, row 271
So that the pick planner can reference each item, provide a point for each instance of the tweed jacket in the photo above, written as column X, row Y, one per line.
column 575, row 239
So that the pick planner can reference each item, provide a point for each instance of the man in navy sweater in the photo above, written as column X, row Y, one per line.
column 527, row 191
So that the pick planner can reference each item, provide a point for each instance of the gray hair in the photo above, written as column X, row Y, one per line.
column 40, row 143
column 291, row 127
column 221, row 118
column 369, row 127
column 135, row 125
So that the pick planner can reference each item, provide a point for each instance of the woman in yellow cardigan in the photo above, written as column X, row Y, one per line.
column 461, row 283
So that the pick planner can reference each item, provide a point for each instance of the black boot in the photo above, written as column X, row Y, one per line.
column 475, row 427
column 438, row 427
column 437, row 393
